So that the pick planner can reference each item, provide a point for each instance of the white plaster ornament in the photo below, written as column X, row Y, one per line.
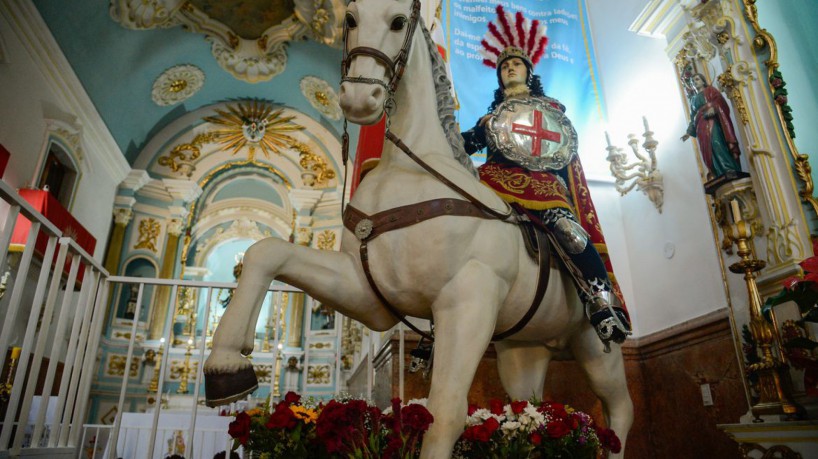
column 177, row 84
column 321, row 96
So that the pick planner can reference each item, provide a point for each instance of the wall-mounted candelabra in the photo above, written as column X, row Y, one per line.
column 641, row 174
column 153, row 387
column 185, row 371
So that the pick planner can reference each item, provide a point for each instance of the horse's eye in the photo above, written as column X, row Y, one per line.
column 398, row 23
column 351, row 22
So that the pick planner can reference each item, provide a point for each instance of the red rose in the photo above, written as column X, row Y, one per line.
column 292, row 398
column 535, row 438
column 492, row 425
column 519, row 406
column 557, row 429
column 416, row 418
column 240, row 428
column 282, row 418
column 496, row 407
column 472, row 408
column 480, row 433
column 332, row 427
column 781, row 100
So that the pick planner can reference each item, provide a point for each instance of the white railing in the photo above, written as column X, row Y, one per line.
column 66, row 319
column 49, row 320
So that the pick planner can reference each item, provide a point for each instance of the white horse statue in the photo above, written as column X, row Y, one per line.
column 471, row 274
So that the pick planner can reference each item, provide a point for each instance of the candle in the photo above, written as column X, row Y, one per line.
column 736, row 211
column 15, row 353
column 608, row 139
column 645, row 122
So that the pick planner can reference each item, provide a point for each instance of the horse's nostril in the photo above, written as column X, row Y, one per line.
column 377, row 92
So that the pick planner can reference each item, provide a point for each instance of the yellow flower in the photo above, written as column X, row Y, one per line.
column 255, row 412
column 307, row 415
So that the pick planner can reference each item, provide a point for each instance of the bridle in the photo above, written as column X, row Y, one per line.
column 396, row 66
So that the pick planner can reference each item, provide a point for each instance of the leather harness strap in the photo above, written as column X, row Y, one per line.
column 542, row 284
column 367, row 228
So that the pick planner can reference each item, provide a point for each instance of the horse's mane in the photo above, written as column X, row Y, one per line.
column 445, row 103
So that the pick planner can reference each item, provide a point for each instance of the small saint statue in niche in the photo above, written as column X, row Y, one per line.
column 130, row 307
column 710, row 124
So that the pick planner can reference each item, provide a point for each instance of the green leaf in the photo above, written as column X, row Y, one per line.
column 801, row 343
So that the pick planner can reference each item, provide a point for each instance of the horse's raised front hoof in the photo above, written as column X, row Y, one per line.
column 224, row 388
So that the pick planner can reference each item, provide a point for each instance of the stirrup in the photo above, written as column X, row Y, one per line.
column 609, row 322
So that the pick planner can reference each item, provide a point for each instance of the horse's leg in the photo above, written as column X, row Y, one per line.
column 522, row 367
column 330, row 277
column 464, row 315
column 606, row 375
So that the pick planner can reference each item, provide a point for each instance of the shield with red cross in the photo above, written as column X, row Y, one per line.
column 532, row 132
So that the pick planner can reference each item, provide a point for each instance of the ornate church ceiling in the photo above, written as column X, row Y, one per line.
column 147, row 64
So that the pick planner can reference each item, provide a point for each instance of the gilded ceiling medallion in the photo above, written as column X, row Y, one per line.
column 321, row 96
column 177, row 84
column 254, row 124
column 249, row 37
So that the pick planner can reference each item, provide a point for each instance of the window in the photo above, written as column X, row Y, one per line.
column 58, row 175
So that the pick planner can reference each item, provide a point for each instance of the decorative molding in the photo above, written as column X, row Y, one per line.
column 122, row 216
column 713, row 325
column 182, row 190
column 316, row 171
column 116, row 366
column 252, row 59
column 242, row 228
column 176, row 226
column 70, row 135
column 304, row 201
column 319, row 375
column 27, row 24
column 254, row 123
column 135, row 180
column 326, row 240
column 177, row 84
column 321, row 96
column 149, row 230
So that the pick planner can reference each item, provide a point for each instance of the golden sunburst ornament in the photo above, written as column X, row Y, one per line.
column 254, row 124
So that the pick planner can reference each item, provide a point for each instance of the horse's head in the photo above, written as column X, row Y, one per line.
column 377, row 38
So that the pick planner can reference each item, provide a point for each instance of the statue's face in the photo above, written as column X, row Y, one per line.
column 698, row 82
column 513, row 72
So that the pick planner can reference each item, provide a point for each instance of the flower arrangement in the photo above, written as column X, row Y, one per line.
column 798, row 347
column 523, row 429
column 340, row 429
column 349, row 428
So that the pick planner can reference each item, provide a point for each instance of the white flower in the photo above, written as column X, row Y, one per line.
column 531, row 418
column 481, row 415
column 510, row 426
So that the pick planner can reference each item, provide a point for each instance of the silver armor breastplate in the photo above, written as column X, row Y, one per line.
column 532, row 133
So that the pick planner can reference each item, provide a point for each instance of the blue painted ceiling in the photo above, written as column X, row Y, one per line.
column 117, row 68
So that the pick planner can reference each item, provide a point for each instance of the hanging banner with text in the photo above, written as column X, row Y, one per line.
column 567, row 69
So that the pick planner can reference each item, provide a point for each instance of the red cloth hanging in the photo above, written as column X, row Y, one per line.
column 368, row 153
column 46, row 204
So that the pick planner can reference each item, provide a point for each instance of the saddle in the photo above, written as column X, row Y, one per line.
column 367, row 227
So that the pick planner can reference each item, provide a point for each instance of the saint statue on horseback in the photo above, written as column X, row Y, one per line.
column 532, row 163
column 424, row 238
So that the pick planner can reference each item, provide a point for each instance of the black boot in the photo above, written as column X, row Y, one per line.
column 608, row 319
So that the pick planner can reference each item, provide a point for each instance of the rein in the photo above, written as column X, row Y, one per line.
column 363, row 226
